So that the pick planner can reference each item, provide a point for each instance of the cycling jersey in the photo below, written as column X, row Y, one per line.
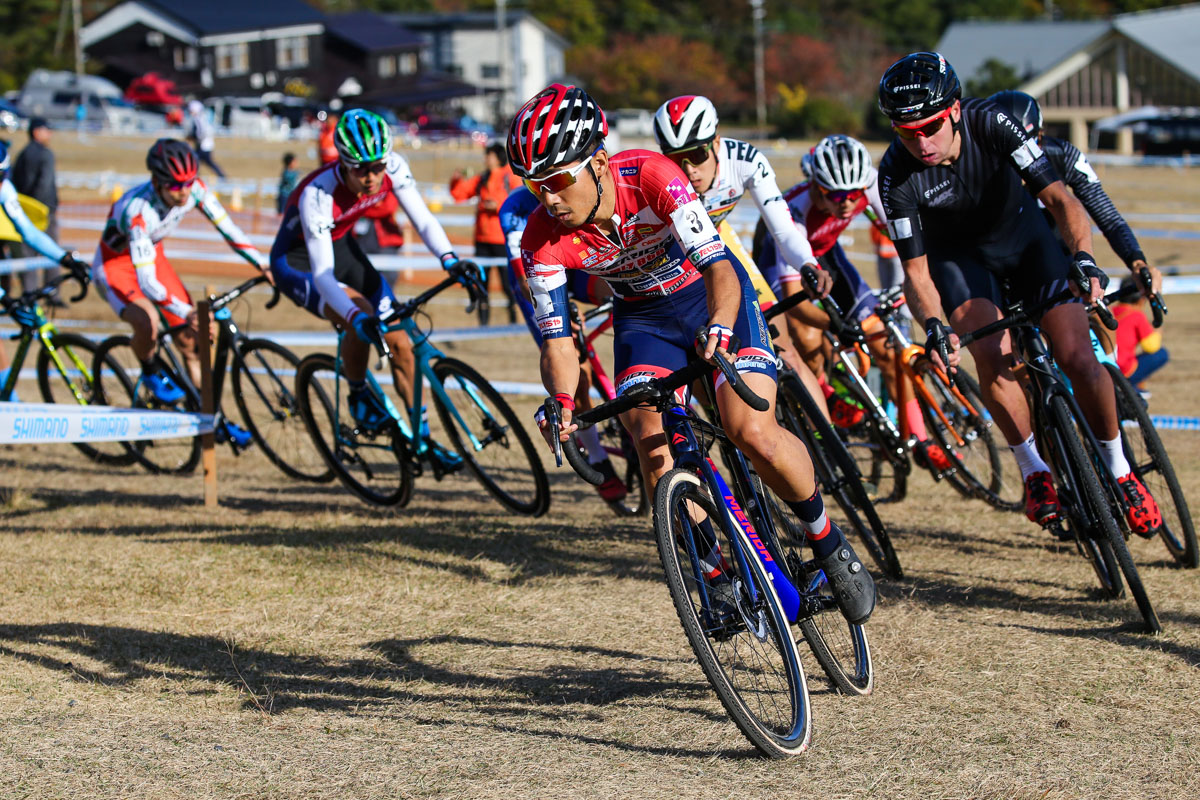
column 1077, row 173
column 821, row 229
column 742, row 167
column 132, row 241
column 978, row 198
column 663, row 239
column 36, row 239
column 321, row 210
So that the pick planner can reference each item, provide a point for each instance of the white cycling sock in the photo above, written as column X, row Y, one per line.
column 1028, row 458
column 590, row 439
column 1114, row 456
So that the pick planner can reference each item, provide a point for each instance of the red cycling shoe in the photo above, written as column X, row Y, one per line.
column 1144, row 517
column 1041, row 501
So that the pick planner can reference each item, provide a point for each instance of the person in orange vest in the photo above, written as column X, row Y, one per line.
column 491, row 187
column 326, row 149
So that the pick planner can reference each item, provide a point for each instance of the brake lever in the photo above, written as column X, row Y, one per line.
column 554, row 422
column 1157, row 306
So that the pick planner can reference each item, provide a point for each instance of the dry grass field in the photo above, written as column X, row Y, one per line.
column 295, row 643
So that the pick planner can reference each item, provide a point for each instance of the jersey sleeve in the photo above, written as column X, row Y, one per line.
column 144, row 256
column 546, row 273
column 315, row 210
column 672, row 199
column 211, row 208
column 1002, row 133
column 791, row 240
column 36, row 239
column 1084, row 181
column 404, row 186
column 899, row 203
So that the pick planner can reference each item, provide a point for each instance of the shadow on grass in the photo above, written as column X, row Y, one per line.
column 546, row 681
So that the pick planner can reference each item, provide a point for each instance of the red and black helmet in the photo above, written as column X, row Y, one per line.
column 172, row 161
column 558, row 125
column 685, row 122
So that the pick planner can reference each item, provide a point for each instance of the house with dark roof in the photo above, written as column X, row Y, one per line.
column 1081, row 72
column 235, row 47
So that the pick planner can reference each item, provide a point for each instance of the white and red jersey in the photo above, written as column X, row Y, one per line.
column 322, row 208
column 663, row 239
column 140, row 220
column 822, row 229
column 742, row 168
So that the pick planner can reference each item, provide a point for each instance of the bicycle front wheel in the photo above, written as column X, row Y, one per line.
column 70, row 378
column 735, row 626
column 1103, row 525
column 264, row 385
column 373, row 464
column 1148, row 457
column 113, row 367
column 494, row 444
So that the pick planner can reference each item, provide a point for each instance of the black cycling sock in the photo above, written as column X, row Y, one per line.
column 356, row 385
column 149, row 367
column 824, row 536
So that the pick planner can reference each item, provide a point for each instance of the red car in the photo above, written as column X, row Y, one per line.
column 153, row 90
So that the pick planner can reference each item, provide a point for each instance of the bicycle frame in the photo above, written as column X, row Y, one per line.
column 44, row 332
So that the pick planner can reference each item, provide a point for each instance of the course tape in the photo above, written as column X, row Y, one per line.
column 1170, row 423
column 49, row 423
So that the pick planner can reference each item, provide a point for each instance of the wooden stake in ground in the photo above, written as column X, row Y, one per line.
column 207, row 406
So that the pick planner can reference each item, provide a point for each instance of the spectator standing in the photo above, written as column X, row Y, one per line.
column 287, row 181
column 33, row 176
column 326, row 147
column 1134, row 333
column 491, row 187
column 200, row 133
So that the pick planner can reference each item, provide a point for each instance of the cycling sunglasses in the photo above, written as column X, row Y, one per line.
column 555, row 182
column 179, row 187
column 374, row 168
column 693, row 155
column 925, row 129
column 840, row 196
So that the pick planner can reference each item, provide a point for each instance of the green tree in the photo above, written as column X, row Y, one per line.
column 992, row 76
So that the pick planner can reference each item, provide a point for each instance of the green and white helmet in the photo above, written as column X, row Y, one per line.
column 362, row 137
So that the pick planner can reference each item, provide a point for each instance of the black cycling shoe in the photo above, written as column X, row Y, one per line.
column 851, row 584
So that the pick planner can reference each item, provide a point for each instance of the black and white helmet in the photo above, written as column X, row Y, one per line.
column 918, row 86
column 558, row 125
column 685, row 122
column 842, row 164
column 1021, row 107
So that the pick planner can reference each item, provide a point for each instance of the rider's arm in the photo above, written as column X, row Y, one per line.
column 791, row 240
column 145, row 256
column 426, row 225
column 315, row 208
column 239, row 242
column 36, row 239
column 898, row 201
column 1085, row 183
column 1070, row 216
column 919, row 290
column 548, row 286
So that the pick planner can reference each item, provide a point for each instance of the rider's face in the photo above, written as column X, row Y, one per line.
column 936, row 147
column 174, row 194
column 364, row 179
column 703, row 174
column 572, row 205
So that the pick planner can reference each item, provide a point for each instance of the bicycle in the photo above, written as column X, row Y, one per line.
column 65, row 371
column 617, row 443
column 262, row 374
column 739, row 629
column 1088, row 493
column 836, row 470
column 954, row 414
column 1147, row 455
column 379, row 464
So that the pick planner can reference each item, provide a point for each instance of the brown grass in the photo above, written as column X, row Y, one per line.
column 296, row 644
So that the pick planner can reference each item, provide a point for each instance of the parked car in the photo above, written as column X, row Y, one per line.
column 153, row 91
column 59, row 95
column 245, row 116
column 632, row 122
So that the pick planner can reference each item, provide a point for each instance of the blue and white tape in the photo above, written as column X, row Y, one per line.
column 50, row 423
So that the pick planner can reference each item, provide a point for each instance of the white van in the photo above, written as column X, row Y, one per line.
column 57, row 96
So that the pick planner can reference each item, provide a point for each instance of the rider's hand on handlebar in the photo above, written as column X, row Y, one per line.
column 1155, row 278
column 1085, row 273
column 565, row 426
column 79, row 268
column 366, row 327
column 941, row 345
column 716, row 340
column 823, row 282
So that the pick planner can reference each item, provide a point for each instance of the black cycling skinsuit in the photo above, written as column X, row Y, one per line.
column 1077, row 173
column 973, row 219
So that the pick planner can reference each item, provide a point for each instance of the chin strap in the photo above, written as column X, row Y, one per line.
column 599, row 195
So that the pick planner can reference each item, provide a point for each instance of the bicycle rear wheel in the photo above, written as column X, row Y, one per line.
column 264, row 385
column 75, row 382
column 837, row 472
column 375, row 465
column 494, row 444
column 1099, row 507
column 980, row 470
column 1148, row 457
column 113, row 367
column 742, row 640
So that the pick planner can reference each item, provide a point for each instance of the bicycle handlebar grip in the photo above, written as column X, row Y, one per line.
column 83, row 287
column 739, row 386
column 569, row 448
column 274, row 301
column 836, row 324
column 1106, row 316
column 1157, row 307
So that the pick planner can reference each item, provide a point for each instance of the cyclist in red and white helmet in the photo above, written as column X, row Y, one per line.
column 132, row 270
column 722, row 170
column 634, row 220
